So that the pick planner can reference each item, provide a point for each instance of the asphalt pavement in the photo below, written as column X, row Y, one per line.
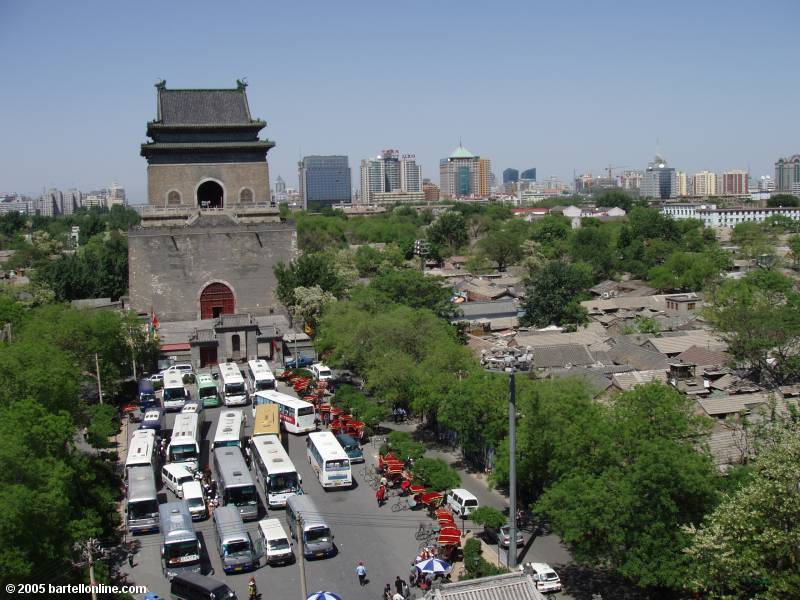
column 383, row 539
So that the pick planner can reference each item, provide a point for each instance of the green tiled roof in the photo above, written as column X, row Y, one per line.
column 462, row 152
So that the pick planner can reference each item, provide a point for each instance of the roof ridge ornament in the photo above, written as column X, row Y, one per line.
column 161, row 84
column 241, row 83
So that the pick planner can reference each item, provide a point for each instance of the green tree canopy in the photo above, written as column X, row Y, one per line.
column 503, row 245
column 308, row 270
column 787, row 200
column 554, row 295
column 449, row 231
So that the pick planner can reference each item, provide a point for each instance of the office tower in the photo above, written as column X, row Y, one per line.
column 659, row 181
column 766, row 184
column 787, row 174
column 460, row 175
column 72, row 200
column 528, row 175
column 682, row 186
column 484, row 177
column 631, row 180
column 410, row 174
column 280, row 191
column 734, row 183
column 510, row 176
column 49, row 203
column 372, row 179
column 704, row 183
column 115, row 195
column 324, row 181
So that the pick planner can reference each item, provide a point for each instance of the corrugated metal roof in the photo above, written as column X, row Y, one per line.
column 510, row 586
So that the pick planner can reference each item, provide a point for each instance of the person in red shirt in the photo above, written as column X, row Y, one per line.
column 380, row 495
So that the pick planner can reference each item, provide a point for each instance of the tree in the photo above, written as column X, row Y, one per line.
column 436, row 474
column 752, row 240
column 748, row 546
column 690, row 271
column 758, row 316
column 794, row 250
column 488, row 516
column 592, row 245
column 307, row 270
column 650, row 224
column 412, row 288
column 310, row 303
column 449, row 231
column 779, row 200
column 503, row 245
column 614, row 198
column 625, row 506
column 554, row 295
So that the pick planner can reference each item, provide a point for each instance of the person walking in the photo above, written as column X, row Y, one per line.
column 398, row 585
column 380, row 495
column 252, row 590
column 387, row 592
column 361, row 571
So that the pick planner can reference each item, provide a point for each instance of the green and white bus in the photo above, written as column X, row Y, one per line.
column 207, row 390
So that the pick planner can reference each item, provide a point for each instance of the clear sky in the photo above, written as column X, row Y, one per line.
column 559, row 85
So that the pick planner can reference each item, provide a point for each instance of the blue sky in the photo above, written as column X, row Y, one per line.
column 561, row 86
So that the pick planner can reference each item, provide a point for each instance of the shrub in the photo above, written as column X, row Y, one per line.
column 402, row 444
column 436, row 474
column 102, row 424
column 362, row 408
column 475, row 564
column 488, row 516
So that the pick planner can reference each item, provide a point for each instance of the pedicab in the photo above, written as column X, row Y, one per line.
column 300, row 384
column 410, row 489
column 448, row 542
column 431, row 501
column 445, row 517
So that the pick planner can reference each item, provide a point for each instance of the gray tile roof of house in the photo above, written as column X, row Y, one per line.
column 726, row 405
column 203, row 335
column 561, row 356
column 509, row 586
column 585, row 336
column 727, row 446
column 203, row 107
column 240, row 320
column 488, row 310
column 680, row 343
column 627, row 381
column 639, row 358
column 703, row 357
column 625, row 303
column 594, row 378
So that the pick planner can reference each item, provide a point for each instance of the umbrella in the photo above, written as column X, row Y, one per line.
column 433, row 565
column 324, row 596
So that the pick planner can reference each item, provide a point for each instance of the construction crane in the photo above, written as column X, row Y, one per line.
column 611, row 168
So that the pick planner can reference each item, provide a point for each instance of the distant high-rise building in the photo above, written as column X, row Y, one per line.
column 72, row 200
column 324, row 180
column 49, row 204
column 683, row 188
column 631, row 180
column 281, row 195
column 704, row 183
column 787, row 174
column 510, row 176
column 410, row 174
column 484, row 177
column 766, row 184
column 659, row 181
column 115, row 195
column 461, row 173
column 528, row 175
column 733, row 183
column 431, row 190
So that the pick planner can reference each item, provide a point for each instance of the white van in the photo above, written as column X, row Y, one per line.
column 195, row 500
column 274, row 542
column 321, row 372
column 461, row 502
column 546, row 578
column 174, row 475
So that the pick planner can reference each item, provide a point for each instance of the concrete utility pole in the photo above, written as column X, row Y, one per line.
column 301, row 560
column 512, row 470
column 133, row 353
column 97, row 370
column 87, row 553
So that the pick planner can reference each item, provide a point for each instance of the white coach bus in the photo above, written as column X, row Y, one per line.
column 297, row 415
column 328, row 459
column 233, row 389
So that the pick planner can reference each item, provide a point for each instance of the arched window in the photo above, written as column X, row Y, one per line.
column 216, row 300
column 246, row 195
column 174, row 197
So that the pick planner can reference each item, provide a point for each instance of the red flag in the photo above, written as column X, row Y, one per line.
column 153, row 318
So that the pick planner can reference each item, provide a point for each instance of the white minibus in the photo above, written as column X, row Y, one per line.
column 233, row 388
column 229, row 429
column 175, row 393
column 297, row 415
column 274, row 469
column 184, row 445
column 328, row 459
column 142, row 450
column 260, row 376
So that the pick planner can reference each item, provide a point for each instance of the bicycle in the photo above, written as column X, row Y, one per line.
column 424, row 532
column 400, row 505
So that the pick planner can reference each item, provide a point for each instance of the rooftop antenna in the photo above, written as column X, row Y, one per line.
column 658, row 147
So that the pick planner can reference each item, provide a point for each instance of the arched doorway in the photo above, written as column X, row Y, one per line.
column 210, row 195
column 216, row 300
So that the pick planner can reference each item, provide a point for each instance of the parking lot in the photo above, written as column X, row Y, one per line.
column 383, row 539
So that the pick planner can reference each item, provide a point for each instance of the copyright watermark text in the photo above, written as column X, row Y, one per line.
column 81, row 588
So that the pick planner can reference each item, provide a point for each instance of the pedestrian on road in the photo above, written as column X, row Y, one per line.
column 252, row 590
column 380, row 495
column 384, row 482
column 130, row 559
column 398, row 585
column 361, row 571
column 387, row 592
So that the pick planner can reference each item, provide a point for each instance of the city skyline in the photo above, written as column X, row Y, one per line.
column 84, row 101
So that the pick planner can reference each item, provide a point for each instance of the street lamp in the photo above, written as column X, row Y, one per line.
column 422, row 249
column 512, row 459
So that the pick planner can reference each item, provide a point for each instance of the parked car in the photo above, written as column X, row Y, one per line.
column 182, row 368
column 300, row 362
column 546, row 578
column 157, row 377
column 502, row 536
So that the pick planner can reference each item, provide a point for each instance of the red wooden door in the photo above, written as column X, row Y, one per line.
column 208, row 356
column 216, row 298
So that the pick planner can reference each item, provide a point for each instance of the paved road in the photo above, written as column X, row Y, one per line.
column 382, row 539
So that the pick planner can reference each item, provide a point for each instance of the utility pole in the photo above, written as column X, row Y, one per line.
column 133, row 353
column 512, row 470
column 87, row 553
column 97, row 370
column 301, row 561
